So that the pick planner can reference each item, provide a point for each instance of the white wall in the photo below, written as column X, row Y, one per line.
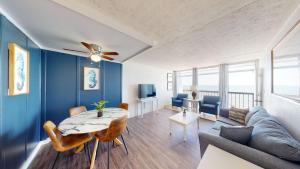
column 135, row 73
column 285, row 110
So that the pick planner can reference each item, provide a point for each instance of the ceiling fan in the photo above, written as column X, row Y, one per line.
column 95, row 52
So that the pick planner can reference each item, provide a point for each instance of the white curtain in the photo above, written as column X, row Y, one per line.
column 259, row 84
column 195, row 81
column 174, row 84
column 195, row 77
column 223, row 84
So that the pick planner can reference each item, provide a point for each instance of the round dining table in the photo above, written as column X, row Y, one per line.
column 89, row 122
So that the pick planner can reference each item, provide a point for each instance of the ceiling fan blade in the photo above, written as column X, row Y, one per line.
column 87, row 45
column 110, row 53
column 72, row 50
column 107, row 57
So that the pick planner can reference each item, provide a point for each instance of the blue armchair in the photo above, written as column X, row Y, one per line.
column 178, row 100
column 210, row 104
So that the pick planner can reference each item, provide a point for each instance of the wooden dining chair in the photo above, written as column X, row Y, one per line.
column 115, row 129
column 64, row 143
column 124, row 106
column 76, row 110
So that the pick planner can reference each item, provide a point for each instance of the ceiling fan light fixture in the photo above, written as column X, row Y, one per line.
column 95, row 58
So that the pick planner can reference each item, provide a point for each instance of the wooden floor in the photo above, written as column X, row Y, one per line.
column 149, row 144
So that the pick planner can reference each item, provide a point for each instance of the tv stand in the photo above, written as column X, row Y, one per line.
column 142, row 102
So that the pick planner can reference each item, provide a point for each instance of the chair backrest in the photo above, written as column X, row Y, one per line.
column 182, row 95
column 54, row 135
column 211, row 99
column 76, row 110
column 123, row 106
column 116, row 128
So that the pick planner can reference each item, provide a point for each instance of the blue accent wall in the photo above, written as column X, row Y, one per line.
column 19, row 115
column 55, row 86
column 112, row 83
column 62, row 87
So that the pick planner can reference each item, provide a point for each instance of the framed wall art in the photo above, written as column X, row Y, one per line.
column 91, row 78
column 18, row 82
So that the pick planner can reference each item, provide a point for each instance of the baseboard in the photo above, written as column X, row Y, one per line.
column 26, row 163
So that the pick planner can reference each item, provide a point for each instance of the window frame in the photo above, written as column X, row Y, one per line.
column 169, row 81
column 217, row 67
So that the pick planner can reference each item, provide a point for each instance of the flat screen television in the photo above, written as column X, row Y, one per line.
column 146, row 90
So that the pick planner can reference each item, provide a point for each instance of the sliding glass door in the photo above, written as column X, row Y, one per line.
column 242, row 84
column 237, row 82
column 208, row 81
column 184, row 81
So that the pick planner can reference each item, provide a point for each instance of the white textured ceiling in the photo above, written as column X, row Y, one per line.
column 186, row 33
column 192, row 33
column 55, row 27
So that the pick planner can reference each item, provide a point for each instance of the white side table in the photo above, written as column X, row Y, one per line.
column 194, row 104
column 143, row 102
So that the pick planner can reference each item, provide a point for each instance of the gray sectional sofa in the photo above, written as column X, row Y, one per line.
column 262, row 145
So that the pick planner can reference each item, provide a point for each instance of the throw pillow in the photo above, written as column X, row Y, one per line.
column 238, row 115
column 269, row 136
column 239, row 134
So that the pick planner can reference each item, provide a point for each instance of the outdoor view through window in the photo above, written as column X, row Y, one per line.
column 286, row 66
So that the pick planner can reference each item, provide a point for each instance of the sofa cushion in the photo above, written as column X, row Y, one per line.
column 238, row 114
column 251, row 112
column 269, row 136
column 239, row 134
column 218, row 124
column 224, row 112
column 256, row 117
column 229, row 121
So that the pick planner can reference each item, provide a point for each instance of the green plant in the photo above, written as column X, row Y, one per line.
column 100, row 105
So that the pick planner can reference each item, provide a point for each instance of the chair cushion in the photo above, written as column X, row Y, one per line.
column 181, row 96
column 208, row 106
column 238, row 115
column 177, row 101
column 239, row 134
column 211, row 99
column 74, row 140
column 269, row 136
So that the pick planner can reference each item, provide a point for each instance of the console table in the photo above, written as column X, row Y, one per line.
column 142, row 102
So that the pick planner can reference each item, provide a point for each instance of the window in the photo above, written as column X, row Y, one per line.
column 184, row 81
column 169, row 81
column 208, row 79
column 242, row 84
column 242, row 77
column 286, row 73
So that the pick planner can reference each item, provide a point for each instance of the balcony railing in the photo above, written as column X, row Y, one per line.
column 235, row 99
column 240, row 99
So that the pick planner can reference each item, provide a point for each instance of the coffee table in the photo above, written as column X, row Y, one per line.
column 184, row 120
